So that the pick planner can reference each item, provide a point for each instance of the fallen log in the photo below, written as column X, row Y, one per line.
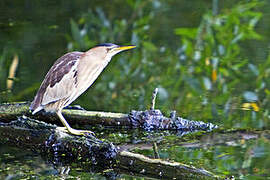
column 148, row 120
column 157, row 168
column 10, row 111
column 18, row 127
column 89, row 153
column 55, row 144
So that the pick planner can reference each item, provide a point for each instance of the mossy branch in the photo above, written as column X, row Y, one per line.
column 148, row 120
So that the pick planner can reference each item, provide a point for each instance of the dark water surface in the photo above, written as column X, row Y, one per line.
column 242, row 154
column 41, row 31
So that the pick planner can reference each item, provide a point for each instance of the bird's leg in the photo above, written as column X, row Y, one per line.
column 70, row 129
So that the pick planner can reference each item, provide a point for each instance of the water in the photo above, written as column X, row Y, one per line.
column 235, row 95
column 242, row 154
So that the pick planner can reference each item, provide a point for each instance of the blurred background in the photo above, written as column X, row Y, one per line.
column 209, row 58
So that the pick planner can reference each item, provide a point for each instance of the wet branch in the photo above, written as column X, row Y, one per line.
column 90, row 153
column 56, row 145
column 157, row 168
column 10, row 111
column 18, row 127
column 148, row 119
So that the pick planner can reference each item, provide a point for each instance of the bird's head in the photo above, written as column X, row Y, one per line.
column 108, row 50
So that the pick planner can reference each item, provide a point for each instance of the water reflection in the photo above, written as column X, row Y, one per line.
column 17, row 164
column 242, row 154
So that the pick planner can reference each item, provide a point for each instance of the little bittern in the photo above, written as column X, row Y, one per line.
column 70, row 76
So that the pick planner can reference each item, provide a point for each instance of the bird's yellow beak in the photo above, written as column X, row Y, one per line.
column 122, row 48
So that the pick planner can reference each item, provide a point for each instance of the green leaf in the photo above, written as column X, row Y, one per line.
column 186, row 32
column 149, row 46
column 76, row 34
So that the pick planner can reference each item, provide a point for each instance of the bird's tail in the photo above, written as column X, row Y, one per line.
column 35, row 106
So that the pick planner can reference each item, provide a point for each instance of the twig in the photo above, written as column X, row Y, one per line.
column 12, row 71
column 155, row 149
column 154, row 95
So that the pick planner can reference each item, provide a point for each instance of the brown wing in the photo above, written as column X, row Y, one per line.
column 59, row 82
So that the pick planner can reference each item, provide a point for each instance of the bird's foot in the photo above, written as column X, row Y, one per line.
column 76, row 132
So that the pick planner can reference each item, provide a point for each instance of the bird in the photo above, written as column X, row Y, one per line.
column 70, row 76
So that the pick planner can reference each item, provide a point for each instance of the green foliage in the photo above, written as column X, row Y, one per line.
column 201, row 80
column 127, row 83
column 3, row 70
column 212, row 61
column 5, row 61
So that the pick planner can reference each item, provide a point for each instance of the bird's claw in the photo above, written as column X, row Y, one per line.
column 86, row 133
column 76, row 132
